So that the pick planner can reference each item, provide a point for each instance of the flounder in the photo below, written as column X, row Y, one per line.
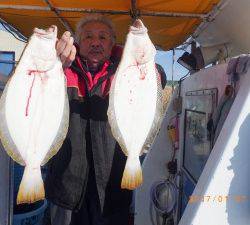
column 34, row 111
column 135, row 106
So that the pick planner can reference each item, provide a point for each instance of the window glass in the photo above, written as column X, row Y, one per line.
column 7, row 62
column 199, row 107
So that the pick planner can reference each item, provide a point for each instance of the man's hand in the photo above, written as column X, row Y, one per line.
column 66, row 49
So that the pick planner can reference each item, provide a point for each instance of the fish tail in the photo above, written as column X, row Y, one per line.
column 31, row 188
column 132, row 175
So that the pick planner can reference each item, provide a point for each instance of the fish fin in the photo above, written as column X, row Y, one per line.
column 31, row 188
column 132, row 175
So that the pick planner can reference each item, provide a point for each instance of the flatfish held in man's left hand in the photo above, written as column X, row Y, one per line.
column 135, row 104
column 34, row 111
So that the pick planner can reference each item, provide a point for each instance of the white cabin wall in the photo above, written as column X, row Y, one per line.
column 225, row 177
column 9, row 43
column 231, row 25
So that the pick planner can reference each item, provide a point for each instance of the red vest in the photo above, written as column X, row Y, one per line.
column 75, row 80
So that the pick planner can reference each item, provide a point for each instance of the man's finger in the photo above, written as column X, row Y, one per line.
column 51, row 29
column 61, row 44
column 70, row 58
column 72, row 54
column 67, row 49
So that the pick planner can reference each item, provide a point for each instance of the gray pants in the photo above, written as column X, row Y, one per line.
column 59, row 215
column 56, row 215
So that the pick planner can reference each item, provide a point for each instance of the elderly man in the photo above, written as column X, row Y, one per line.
column 83, row 180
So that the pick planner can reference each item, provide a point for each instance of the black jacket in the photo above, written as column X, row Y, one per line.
column 89, row 141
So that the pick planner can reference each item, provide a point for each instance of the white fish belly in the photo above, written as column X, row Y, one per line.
column 34, row 110
column 135, row 102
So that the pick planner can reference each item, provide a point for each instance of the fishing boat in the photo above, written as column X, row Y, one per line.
column 197, row 171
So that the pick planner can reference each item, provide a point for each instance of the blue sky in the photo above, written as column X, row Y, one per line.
column 164, row 58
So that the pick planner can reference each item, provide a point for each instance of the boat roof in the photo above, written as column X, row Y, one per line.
column 170, row 22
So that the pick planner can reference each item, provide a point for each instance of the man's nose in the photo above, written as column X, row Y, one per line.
column 95, row 42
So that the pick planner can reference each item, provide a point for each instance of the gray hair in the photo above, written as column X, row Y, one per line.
column 94, row 18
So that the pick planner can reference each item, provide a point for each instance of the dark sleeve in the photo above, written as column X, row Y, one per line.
column 162, row 74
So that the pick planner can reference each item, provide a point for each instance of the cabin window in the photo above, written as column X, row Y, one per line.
column 7, row 62
column 199, row 106
column 197, row 145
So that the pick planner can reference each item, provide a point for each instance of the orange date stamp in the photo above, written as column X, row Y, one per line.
column 217, row 198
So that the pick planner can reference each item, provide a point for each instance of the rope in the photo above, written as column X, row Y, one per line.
column 162, row 209
column 14, row 33
column 173, row 70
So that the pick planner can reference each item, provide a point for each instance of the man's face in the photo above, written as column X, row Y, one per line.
column 96, row 43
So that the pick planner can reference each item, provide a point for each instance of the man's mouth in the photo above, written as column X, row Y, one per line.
column 95, row 52
column 95, row 56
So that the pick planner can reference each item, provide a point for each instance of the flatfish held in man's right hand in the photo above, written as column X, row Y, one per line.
column 34, row 111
